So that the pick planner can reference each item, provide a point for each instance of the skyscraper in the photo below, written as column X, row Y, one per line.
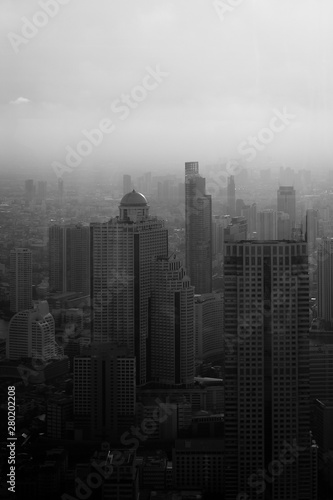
column 267, row 225
column 283, row 226
column 267, row 371
column 209, row 326
column 69, row 260
column 32, row 334
column 20, row 279
column 198, row 230
column 325, row 279
column 311, row 229
column 122, row 250
column 104, row 391
column 231, row 196
column 171, row 336
column 286, row 202
column 29, row 189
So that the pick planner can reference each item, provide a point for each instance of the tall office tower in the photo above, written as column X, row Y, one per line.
column 267, row 371
column 283, row 226
column 147, row 181
column 198, row 230
column 325, row 279
column 32, row 334
column 236, row 230
column 311, row 229
column 267, row 225
column 321, row 366
column 104, row 391
column 127, row 184
column 208, row 326
column 122, row 250
column 60, row 191
column 41, row 190
column 286, row 202
column 171, row 336
column 29, row 190
column 219, row 224
column 250, row 214
column 240, row 205
column 20, row 279
column 231, row 196
column 69, row 258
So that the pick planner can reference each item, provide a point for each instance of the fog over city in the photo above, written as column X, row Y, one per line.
column 165, row 82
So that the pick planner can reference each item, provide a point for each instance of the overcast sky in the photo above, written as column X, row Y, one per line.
column 223, row 73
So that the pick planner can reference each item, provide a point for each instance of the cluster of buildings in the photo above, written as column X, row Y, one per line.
column 133, row 327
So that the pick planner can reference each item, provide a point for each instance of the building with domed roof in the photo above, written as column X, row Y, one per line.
column 122, row 250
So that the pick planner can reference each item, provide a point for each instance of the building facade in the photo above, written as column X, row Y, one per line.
column 20, row 279
column 266, row 370
column 121, row 254
column 198, row 230
column 69, row 258
column 171, row 335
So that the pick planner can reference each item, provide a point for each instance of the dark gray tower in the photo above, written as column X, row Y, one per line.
column 198, row 229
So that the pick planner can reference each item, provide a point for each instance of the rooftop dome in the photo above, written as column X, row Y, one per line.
column 134, row 199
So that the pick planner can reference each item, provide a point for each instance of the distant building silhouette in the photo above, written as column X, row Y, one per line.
column 20, row 279
column 286, row 202
column 231, row 196
column 198, row 230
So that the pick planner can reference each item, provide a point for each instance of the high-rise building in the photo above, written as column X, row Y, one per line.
column 171, row 336
column 104, row 391
column 29, row 190
column 41, row 190
column 236, row 230
column 283, row 226
column 231, row 196
column 311, row 229
column 267, row 225
column 127, row 184
column 219, row 224
column 122, row 250
column 250, row 214
column 286, row 202
column 325, row 279
column 198, row 230
column 69, row 258
column 266, row 371
column 208, row 326
column 20, row 279
column 32, row 334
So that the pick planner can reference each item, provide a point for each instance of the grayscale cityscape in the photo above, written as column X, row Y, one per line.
column 166, row 250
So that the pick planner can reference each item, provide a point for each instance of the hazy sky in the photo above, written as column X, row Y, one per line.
column 228, row 69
